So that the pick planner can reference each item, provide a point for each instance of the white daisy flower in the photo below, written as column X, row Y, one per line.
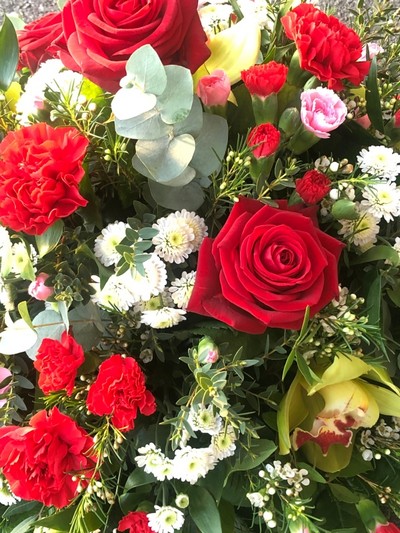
column 223, row 444
column 166, row 519
column 191, row 464
column 173, row 243
column 105, row 243
column 5, row 241
column 361, row 232
column 21, row 257
column 204, row 420
column 380, row 162
column 382, row 200
column 181, row 289
column 115, row 294
column 196, row 224
column 152, row 283
column 6, row 495
column 166, row 317
column 151, row 458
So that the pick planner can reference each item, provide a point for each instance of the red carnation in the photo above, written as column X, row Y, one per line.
column 265, row 139
column 40, row 171
column 119, row 391
column 387, row 528
column 396, row 119
column 58, row 362
column 135, row 522
column 263, row 80
column 313, row 186
column 40, row 461
column 327, row 48
column 36, row 39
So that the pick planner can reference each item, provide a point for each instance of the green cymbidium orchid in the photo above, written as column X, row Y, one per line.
column 321, row 418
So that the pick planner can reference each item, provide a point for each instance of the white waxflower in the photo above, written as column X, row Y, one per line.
column 396, row 245
column 191, row 464
column 204, row 420
column 196, row 224
column 181, row 289
column 166, row 317
column 166, row 519
column 50, row 75
column 361, row 232
column 6, row 495
column 223, row 444
column 105, row 243
column 173, row 243
column 379, row 161
column 256, row 499
column 382, row 200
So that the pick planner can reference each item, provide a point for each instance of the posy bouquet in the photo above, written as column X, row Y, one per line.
column 200, row 269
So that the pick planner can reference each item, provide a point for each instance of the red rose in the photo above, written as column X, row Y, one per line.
column 119, row 391
column 265, row 138
column 39, row 461
column 313, row 186
column 387, row 528
column 135, row 522
column 265, row 267
column 263, row 80
column 36, row 39
column 40, row 169
column 101, row 36
column 58, row 363
column 327, row 47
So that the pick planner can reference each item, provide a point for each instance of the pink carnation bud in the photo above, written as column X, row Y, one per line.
column 214, row 89
column 4, row 374
column 37, row 289
column 212, row 356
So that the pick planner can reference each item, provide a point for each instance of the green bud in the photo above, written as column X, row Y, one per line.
column 289, row 121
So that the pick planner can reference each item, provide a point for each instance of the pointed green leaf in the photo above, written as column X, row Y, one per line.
column 374, row 109
column 47, row 241
column 203, row 510
column 9, row 53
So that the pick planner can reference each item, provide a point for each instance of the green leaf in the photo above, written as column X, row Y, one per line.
column 189, row 197
column 48, row 324
column 174, row 105
column 374, row 109
column 343, row 494
column 9, row 53
column 144, row 67
column 49, row 239
column 345, row 209
column 25, row 525
column 378, row 253
column 257, row 454
column 24, row 313
column 59, row 521
column 227, row 512
column 211, row 144
column 374, row 298
column 203, row 510
column 138, row 478
column 310, row 376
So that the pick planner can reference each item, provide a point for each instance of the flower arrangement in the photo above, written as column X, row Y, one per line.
column 199, row 275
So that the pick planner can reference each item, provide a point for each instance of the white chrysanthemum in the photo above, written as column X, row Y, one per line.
column 5, row 241
column 256, row 499
column 105, row 243
column 151, row 458
column 166, row 519
column 152, row 283
column 21, row 257
column 51, row 74
column 382, row 200
column 259, row 9
column 191, row 464
column 379, row 161
column 173, row 243
column 361, row 232
column 181, row 289
column 115, row 294
column 203, row 419
column 215, row 17
column 223, row 444
column 196, row 224
column 166, row 317
column 6, row 495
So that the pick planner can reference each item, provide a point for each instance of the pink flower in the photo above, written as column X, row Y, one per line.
column 4, row 374
column 38, row 289
column 322, row 111
column 386, row 528
column 373, row 50
column 214, row 89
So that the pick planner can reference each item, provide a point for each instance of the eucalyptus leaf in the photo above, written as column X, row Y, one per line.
column 174, row 105
column 144, row 68
column 193, row 123
column 47, row 241
column 9, row 53
column 210, row 145
column 48, row 325
column 145, row 126
column 189, row 197
column 130, row 102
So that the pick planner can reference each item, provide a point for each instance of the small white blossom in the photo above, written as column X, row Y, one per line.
column 361, row 232
column 379, row 161
column 191, row 464
column 105, row 243
column 256, row 499
column 196, row 224
column 115, row 294
column 223, row 444
column 204, row 420
column 166, row 317
column 382, row 200
column 6, row 495
column 181, row 289
column 165, row 519
column 173, row 243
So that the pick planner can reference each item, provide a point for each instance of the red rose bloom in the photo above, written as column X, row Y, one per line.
column 327, row 47
column 265, row 267
column 265, row 139
column 58, row 363
column 119, row 391
column 40, row 170
column 135, row 522
column 36, row 39
column 263, row 80
column 101, row 36
column 313, row 186
column 387, row 528
column 39, row 461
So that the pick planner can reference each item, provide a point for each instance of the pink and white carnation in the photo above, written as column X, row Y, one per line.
column 322, row 111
